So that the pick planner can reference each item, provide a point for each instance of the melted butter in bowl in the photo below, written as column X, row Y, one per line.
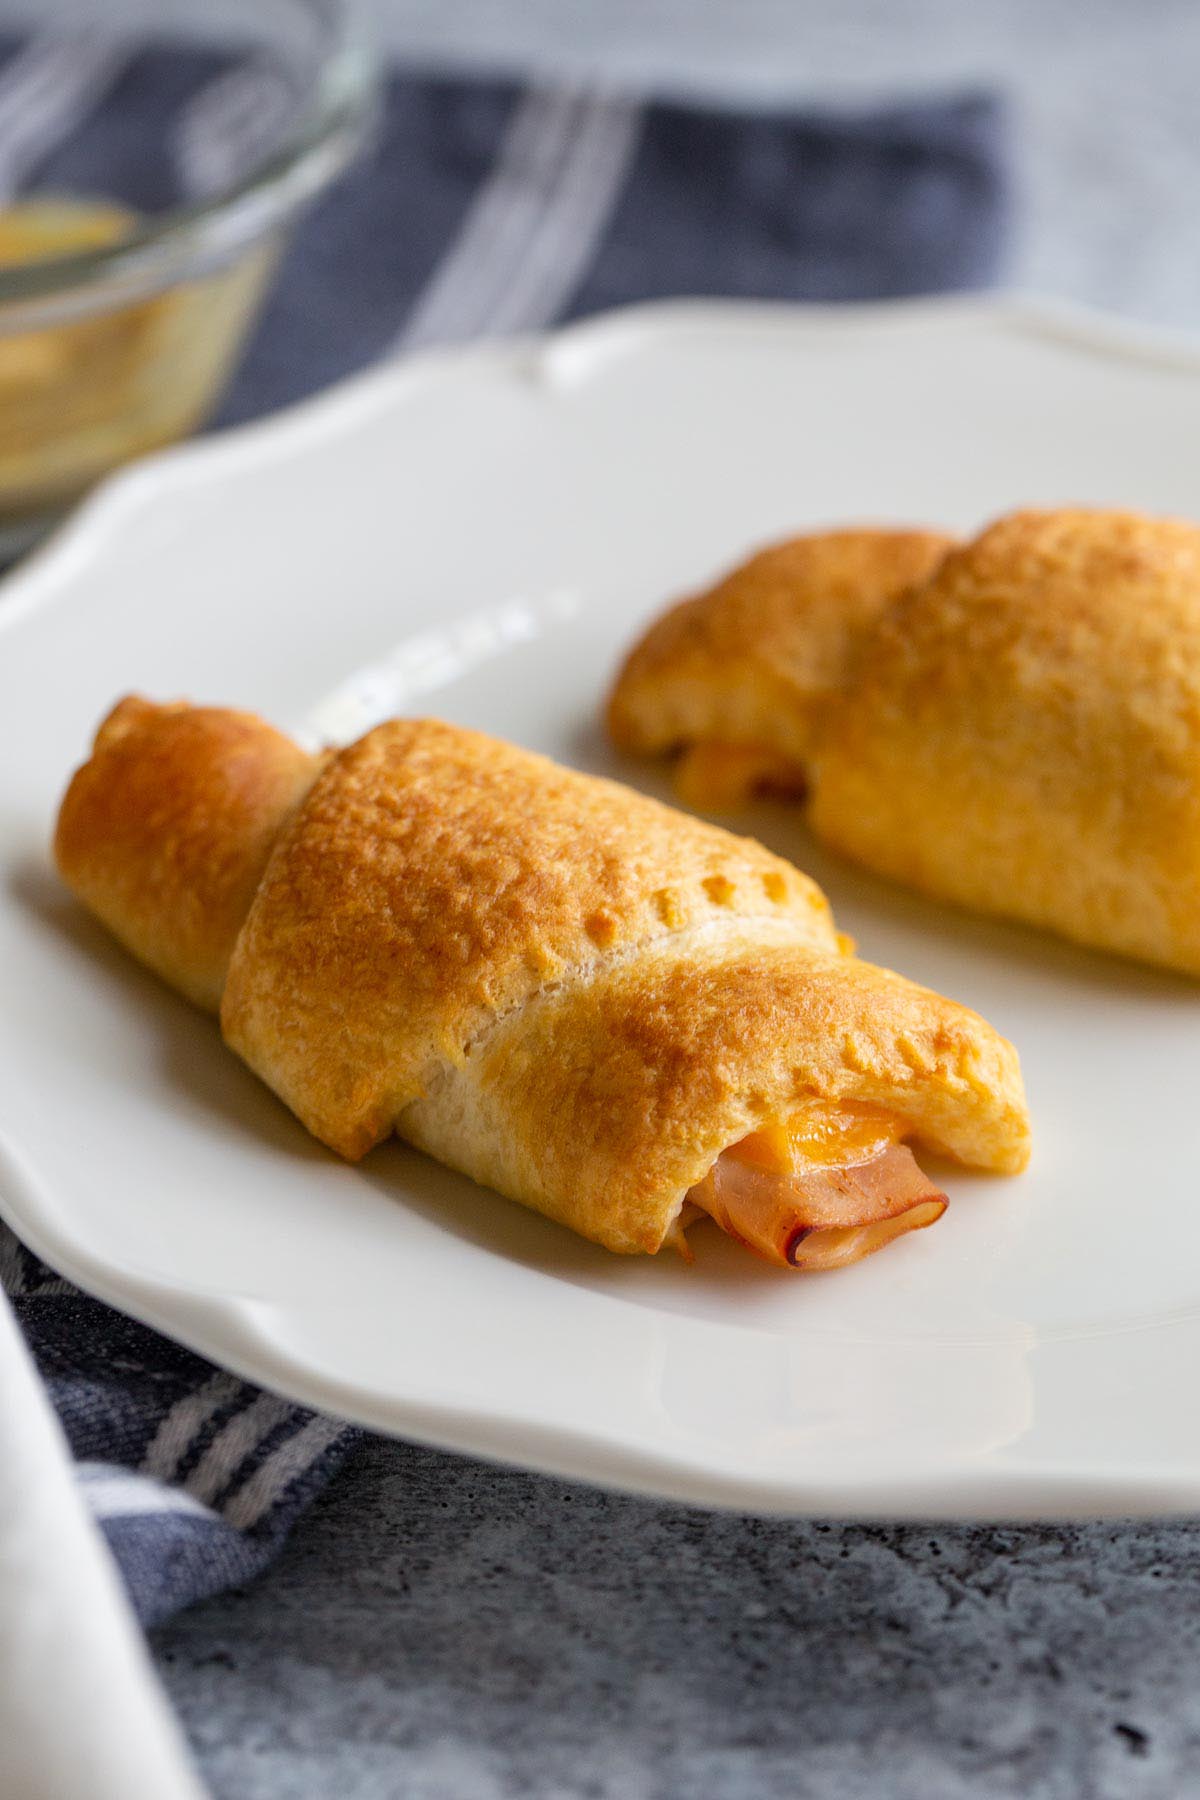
column 79, row 397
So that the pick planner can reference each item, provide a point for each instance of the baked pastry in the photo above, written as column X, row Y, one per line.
column 601, row 1007
column 737, row 679
column 1019, row 731
column 1023, row 735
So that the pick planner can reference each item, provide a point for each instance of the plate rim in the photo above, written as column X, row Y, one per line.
column 1001, row 1492
column 344, row 403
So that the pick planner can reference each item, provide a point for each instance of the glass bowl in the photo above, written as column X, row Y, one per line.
column 148, row 182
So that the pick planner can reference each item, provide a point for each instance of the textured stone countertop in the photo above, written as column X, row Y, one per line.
column 440, row 1630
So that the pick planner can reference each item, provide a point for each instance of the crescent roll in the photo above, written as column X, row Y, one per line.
column 1017, row 730
column 601, row 1007
column 1023, row 735
column 738, row 678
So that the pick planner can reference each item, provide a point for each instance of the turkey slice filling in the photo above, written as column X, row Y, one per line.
column 830, row 1188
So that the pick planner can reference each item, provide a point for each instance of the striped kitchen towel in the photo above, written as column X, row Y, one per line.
column 480, row 207
column 193, row 1476
column 483, row 208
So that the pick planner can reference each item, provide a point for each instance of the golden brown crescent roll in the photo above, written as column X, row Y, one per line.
column 166, row 830
column 737, row 678
column 1023, row 734
column 599, row 1006
column 1018, row 731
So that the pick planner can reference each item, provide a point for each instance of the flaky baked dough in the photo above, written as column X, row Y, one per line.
column 165, row 831
column 1016, row 730
column 755, row 659
column 1023, row 733
column 574, row 994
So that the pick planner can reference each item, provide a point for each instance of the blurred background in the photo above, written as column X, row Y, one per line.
column 211, row 210
column 1103, row 92
column 1105, row 146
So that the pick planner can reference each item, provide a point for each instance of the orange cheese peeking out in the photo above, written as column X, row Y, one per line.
column 824, row 1132
column 715, row 777
column 829, row 1186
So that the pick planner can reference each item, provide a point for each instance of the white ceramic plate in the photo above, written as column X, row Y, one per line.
column 1030, row 1356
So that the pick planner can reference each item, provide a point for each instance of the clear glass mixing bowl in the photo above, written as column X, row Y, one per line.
column 150, row 170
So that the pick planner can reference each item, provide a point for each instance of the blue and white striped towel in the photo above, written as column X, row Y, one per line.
column 481, row 208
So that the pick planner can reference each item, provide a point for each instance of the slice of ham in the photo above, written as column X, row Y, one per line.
column 820, row 1217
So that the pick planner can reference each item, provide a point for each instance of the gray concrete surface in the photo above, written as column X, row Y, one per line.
column 439, row 1630
column 443, row 1631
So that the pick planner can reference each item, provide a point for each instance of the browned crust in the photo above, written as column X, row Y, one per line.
column 754, row 659
column 603, row 1105
column 561, row 987
column 1023, row 735
column 166, row 829
column 436, row 878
